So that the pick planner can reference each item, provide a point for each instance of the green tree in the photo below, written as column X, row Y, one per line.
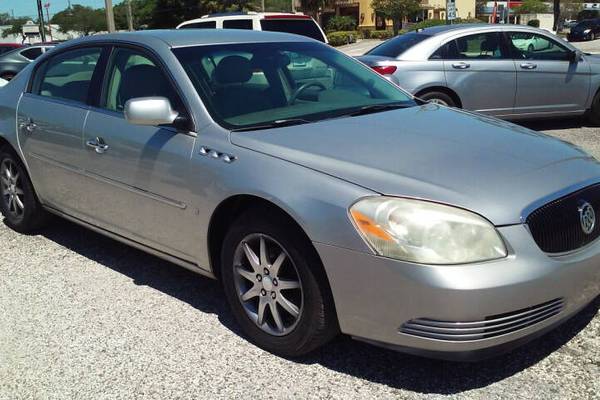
column 170, row 13
column 81, row 19
column 141, row 11
column 312, row 7
column 396, row 10
column 532, row 7
column 16, row 27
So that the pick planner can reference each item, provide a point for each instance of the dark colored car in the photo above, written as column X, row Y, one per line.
column 14, row 61
column 588, row 29
column 6, row 47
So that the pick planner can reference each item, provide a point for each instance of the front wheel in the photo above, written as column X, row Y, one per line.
column 19, row 204
column 275, row 287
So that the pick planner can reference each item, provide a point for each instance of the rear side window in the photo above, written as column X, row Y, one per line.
column 201, row 25
column 398, row 45
column 237, row 24
column 305, row 27
column 32, row 54
column 68, row 75
column 481, row 46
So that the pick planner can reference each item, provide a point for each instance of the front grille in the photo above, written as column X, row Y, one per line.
column 492, row 326
column 556, row 227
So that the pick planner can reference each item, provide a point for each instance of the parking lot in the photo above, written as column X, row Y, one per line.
column 85, row 317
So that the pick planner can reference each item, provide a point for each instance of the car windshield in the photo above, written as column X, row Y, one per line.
column 258, row 84
column 305, row 27
column 398, row 45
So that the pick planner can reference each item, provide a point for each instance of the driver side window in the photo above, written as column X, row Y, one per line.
column 532, row 46
column 132, row 75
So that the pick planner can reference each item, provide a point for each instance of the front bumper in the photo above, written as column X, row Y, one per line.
column 375, row 296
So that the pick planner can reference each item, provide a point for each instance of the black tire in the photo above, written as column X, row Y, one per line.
column 317, row 321
column 8, row 76
column 438, row 97
column 31, row 216
column 593, row 114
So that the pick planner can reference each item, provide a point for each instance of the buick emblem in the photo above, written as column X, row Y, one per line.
column 587, row 217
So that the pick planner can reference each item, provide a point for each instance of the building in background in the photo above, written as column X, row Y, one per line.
column 367, row 18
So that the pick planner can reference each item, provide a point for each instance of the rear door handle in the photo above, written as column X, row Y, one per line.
column 98, row 145
column 461, row 65
column 528, row 66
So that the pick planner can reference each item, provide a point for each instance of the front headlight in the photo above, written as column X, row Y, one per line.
column 425, row 232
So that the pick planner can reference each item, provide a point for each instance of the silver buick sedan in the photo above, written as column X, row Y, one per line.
column 323, row 197
column 508, row 71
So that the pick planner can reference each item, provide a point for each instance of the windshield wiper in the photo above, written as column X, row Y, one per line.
column 274, row 124
column 374, row 108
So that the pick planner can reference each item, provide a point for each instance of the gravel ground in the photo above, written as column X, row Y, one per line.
column 82, row 316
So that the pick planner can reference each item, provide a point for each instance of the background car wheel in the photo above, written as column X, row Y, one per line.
column 438, row 98
column 18, row 203
column 275, row 285
column 593, row 114
column 8, row 76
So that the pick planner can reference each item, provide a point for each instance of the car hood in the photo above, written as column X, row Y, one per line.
column 497, row 169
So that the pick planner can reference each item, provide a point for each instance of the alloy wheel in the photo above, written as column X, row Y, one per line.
column 268, row 284
column 12, row 189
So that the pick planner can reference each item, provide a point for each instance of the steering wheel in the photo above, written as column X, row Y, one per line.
column 302, row 88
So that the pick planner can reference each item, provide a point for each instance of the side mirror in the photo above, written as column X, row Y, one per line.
column 575, row 56
column 150, row 111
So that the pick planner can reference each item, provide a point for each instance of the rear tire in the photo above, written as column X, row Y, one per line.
column 18, row 203
column 312, row 320
column 438, row 98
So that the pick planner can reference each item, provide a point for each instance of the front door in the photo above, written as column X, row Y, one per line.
column 479, row 69
column 50, row 122
column 138, row 175
column 547, row 80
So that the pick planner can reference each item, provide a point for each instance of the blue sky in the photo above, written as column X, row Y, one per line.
column 22, row 8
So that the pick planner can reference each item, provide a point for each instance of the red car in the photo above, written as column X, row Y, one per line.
column 4, row 47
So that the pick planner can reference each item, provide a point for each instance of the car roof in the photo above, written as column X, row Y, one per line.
column 191, row 37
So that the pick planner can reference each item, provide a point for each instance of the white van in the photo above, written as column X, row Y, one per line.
column 297, row 23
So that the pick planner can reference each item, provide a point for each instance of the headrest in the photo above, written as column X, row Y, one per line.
column 233, row 69
column 142, row 81
column 489, row 45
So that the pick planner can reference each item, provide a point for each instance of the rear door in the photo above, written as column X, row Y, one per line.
column 547, row 81
column 479, row 69
column 137, row 175
column 50, row 121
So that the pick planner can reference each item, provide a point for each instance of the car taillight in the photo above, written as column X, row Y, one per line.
column 384, row 69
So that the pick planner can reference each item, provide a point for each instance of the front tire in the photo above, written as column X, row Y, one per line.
column 18, row 203
column 275, row 286
column 593, row 114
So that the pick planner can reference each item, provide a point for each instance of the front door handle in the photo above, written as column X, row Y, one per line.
column 29, row 126
column 528, row 66
column 98, row 145
column 461, row 65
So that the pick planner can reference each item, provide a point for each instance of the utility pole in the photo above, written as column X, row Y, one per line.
column 110, row 16
column 41, row 21
column 47, row 6
column 129, row 15
column 262, row 5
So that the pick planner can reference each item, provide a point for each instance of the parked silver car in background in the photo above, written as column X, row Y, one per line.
column 322, row 196
column 508, row 71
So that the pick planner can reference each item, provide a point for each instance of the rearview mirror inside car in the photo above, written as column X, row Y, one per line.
column 150, row 111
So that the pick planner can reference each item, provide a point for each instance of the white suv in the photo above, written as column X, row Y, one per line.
column 298, row 23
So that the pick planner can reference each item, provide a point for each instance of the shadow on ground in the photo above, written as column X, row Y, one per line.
column 556, row 124
column 343, row 354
